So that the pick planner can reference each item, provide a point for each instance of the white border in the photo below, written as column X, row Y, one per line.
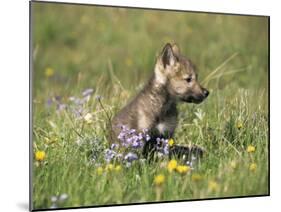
column 14, row 118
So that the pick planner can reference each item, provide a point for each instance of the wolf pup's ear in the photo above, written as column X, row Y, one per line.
column 168, row 57
column 176, row 49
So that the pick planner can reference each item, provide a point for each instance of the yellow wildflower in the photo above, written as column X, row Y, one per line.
column 239, row 125
column 88, row 118
column 171, row 142
column 49, row 72
column 233, row 164
column 213, row 185
column 251, row 148
column 196, row 177
column 159, row 179
column 99, row 170
column 182, row 169
column 253, row 167
column 117, row 168
column 172, row 165
column 129, row 61
column 40, row 155
column 109, row 167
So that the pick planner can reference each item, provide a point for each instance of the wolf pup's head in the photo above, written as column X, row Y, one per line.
column 179, row 76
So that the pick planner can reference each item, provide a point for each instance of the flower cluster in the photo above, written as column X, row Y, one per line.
column 173, row 166
column 132, row 138
column 132, row 141
column 57, row 101
column 182, row 169
column 112, row 154
column 108, row 168
column 75, row 104
column 162, row 146
column 253, row 166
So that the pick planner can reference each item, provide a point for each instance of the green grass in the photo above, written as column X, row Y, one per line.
column 113, row 51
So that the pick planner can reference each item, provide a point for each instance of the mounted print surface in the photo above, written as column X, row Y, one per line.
column 135, row 105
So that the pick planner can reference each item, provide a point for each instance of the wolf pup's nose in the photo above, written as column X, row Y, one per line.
column 206, row 92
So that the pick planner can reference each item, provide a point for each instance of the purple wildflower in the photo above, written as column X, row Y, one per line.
column 109, row 155
column 61, row 107
column 49, row 102
column 132, row 138
column 162, row 145
column 158, row 141
column 132, row 131
column 166, row 150
column 78, row 111
column 77, row 101
column 136, row 142
column 113, row 146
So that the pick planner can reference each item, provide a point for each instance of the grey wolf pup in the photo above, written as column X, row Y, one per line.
column 155, row 107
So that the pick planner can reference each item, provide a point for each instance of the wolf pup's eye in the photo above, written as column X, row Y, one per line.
column 189, row 79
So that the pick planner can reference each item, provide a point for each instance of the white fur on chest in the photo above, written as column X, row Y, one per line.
column 166, row 127
column 162, row 127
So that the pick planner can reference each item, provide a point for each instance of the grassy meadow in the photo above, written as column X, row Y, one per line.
column 89, row 61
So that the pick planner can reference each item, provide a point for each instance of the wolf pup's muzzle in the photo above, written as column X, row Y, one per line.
column 197, row 98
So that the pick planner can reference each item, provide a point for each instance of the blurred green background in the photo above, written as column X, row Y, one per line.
column 82, row 43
